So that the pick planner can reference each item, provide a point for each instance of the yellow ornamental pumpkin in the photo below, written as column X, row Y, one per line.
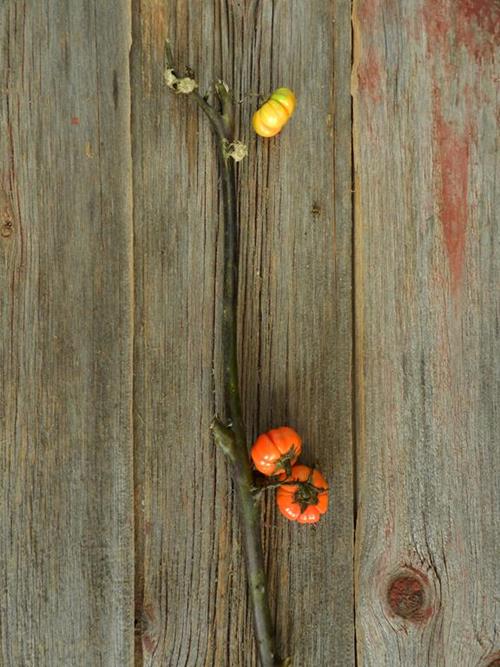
column 275, row 113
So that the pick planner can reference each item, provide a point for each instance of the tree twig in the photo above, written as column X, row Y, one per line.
column 231, row 439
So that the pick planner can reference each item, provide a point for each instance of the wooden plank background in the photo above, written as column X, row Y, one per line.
column 368, row 320
column 295, row 324
column 427, row 309
column 66, row 354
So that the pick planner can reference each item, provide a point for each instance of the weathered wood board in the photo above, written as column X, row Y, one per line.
column 427, row 308
column 295, row 324
column 110, row 273
column 66, row 571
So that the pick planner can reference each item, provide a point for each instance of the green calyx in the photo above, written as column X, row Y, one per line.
column 307, row 494
column 285, row 461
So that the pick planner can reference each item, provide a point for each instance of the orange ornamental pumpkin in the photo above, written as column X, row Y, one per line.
column 306, row 500
column 275, row 113
column 275, row 452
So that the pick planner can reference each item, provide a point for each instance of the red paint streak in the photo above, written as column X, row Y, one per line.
column 149, row 629
column 367, row 10
column 478, row 27
column 75, row 121
column 473, row 24
column 452, row 157
column 437, row 22
column 149, row 643
column 369, row 75
column 486, row 13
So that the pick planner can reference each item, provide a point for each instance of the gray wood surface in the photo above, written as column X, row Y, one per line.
column 427, row 308
column 66, row 580
column 295, row 322
column 368, row 321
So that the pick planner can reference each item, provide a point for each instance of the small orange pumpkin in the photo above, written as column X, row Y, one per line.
column 306, row 499
column 275, row 452
column 275, row 113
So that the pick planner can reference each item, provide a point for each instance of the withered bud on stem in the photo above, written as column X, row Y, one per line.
column 184, row 85
column 236, row 150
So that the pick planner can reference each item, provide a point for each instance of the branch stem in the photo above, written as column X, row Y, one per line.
column 231, row 438
column 241, row 470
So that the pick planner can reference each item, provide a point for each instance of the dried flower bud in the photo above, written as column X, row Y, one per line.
column 185, row 85
column 170, row 78
column 237, row 150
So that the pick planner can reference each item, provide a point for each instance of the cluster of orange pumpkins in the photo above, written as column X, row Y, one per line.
column 302, row 491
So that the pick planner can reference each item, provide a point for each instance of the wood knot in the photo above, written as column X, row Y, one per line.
column 315, row 210
column 6, row 214
column 408, row 596
column 495, row 662
column 6, row 228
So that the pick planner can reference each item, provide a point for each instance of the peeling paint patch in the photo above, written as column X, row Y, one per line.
column 452, row 148
column 478, row 27
column 473, row 24
column 486, row 14
column 437, row 22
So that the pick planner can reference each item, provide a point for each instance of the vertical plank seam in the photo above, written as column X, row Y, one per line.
column 353, row 358
column 138, row 564
column 357, row 320
column 132, row 329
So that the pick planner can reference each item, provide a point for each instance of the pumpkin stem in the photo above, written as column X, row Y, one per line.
column 285, row 461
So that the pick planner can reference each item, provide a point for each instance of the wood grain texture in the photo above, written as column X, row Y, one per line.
column 107, row 190
column 295, row 328
column 66, row 536
column 427, row 309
